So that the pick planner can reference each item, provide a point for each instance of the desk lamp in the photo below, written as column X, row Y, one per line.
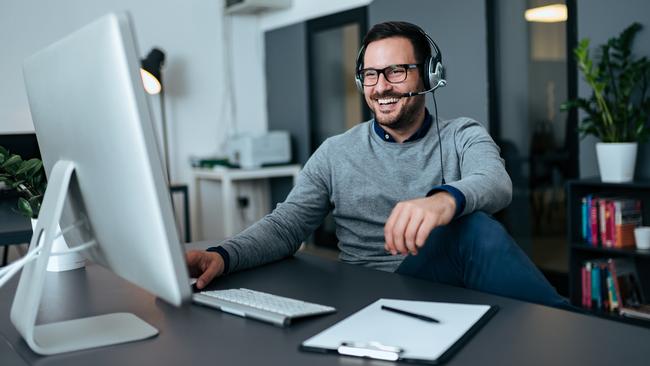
column 151, row 72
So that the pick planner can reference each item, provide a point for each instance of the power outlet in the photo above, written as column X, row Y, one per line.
column 251, row 202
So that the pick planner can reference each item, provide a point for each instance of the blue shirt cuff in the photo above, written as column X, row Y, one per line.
column 459, row 197
column 224, row 254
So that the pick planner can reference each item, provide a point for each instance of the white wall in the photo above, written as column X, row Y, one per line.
column 246, row 51
column 191, row 34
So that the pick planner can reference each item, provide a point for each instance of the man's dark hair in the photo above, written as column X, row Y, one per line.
column 409, row 31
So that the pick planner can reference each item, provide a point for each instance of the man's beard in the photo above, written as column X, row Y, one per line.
column 406, row 116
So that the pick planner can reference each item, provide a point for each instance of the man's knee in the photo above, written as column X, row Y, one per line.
column 480, row 232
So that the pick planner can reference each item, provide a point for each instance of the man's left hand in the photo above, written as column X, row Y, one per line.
column 411, row 222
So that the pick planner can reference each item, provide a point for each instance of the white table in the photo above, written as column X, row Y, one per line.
column 228, row 177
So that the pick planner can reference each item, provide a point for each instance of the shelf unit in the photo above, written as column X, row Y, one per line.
column 579, row 251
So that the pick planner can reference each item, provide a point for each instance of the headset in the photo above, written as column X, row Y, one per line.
column 432, row 69
column 433, row 73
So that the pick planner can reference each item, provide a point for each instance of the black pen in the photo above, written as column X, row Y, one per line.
column 407, row 313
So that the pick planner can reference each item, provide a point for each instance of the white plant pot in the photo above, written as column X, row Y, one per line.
column 616, row 161
column 64, row 262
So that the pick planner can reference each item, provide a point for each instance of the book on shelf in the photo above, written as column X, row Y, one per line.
column 610, row 221
column 586, row 285
column 610, row 285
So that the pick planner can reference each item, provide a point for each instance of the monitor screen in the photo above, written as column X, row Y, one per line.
column 90, row 113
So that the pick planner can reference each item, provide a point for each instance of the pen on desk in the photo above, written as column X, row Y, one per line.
column 408, row 313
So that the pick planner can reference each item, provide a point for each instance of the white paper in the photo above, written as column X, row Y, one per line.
column 417, row 338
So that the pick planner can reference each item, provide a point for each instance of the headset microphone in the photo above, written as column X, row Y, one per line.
column 440, row 84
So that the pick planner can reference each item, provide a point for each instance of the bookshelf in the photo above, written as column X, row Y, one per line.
column 580, row 251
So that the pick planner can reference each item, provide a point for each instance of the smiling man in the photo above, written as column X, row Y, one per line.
column 400, row 116
column 404, row 197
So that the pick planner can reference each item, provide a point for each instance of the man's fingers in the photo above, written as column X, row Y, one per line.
column 399, row 229
column 424, row 230
column 210, row 269
column 207, row 276
column 204, row 265
column 411, row 232
column 193, row 260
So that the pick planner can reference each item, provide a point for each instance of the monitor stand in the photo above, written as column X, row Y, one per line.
column 69, row 335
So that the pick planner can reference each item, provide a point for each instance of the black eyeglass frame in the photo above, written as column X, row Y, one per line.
column 383, row 71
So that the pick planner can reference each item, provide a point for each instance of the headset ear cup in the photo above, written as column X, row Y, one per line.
column 358, row 83
column 439, row 73
column 426, row 78
column 435, row 73
column 357, row 68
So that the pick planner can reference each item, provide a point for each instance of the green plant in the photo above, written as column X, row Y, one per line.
column 27, row 178
column 619, row 107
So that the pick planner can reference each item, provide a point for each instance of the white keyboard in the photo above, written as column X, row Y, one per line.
column 258, row 305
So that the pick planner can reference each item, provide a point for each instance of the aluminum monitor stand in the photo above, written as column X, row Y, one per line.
column 69, row 335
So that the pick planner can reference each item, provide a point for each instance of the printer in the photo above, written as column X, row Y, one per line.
column 252, row 151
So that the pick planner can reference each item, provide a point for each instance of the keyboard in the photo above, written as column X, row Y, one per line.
column 263, row 306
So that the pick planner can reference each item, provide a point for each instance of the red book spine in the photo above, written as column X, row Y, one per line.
column 611, row 226
column 593, row 215
column 588, row 283
column 583, row 276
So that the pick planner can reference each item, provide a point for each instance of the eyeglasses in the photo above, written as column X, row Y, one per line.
column 394, row 74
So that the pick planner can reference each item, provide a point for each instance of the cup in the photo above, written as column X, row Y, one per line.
column 642, row 237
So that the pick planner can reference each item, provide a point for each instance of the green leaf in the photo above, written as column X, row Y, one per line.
column 28, row 166
column 25, row 208
column 12, row 161
column 35, row 203
column 618, row 110
column 37, row 170
column 3, row 152
column 35, row 200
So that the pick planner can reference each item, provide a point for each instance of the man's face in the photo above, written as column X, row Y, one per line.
column 384, row 99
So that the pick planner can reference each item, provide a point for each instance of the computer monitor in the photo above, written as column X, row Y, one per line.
column 105, row 178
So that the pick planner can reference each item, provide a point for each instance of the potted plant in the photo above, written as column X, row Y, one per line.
column 27, row 178
column 618, row 110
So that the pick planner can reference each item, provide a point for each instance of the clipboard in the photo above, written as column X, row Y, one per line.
column 386, row 335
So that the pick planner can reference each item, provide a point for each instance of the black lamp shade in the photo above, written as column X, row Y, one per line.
column 153, row 63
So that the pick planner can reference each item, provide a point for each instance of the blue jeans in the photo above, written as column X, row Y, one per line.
column 476, row 252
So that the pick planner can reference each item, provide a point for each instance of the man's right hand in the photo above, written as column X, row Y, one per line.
column 204, row 266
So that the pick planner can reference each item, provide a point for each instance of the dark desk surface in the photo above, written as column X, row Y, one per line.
column 519, row 334
column 14, row 228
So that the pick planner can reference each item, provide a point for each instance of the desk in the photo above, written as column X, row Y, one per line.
column 519, row 334
column 14, row 228
column 228, row 177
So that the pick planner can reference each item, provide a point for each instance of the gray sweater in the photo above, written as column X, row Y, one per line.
column 360, row 178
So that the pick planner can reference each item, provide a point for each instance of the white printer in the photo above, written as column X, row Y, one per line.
column 252, row 151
